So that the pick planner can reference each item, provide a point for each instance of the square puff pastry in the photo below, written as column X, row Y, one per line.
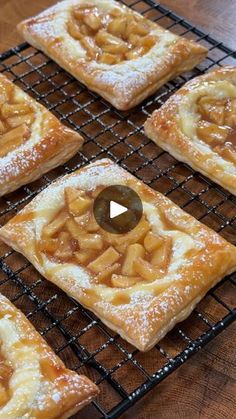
column 197, row 125
column 34, row 382
column 110, row 48
column 139, row 284
column 32, row 140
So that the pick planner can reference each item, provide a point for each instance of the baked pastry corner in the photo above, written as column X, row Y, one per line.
column 32, row 140
column 34, row 381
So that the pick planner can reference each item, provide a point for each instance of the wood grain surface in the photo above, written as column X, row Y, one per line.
column 205, row 386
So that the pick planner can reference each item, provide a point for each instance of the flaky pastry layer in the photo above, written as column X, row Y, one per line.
column 143, row 313
column 50, row 144
column 124, row 84
column 173, row 126
column 40, row 385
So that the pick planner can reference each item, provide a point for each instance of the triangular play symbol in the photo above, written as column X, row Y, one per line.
column 116, row 209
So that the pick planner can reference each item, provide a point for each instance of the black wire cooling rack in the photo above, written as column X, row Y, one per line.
column 123, row 374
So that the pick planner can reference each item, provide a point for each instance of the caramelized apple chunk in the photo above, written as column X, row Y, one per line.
column 133, row 252
column 106, row 259
column 114, row 260
column 122, row 281
column 110, row 38
column 217, row 126
column 16, row 118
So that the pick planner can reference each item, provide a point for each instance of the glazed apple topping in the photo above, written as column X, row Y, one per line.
column 5, row 375
column 113, row 37
column 16, row 118
column 121, row 261
column 217, row 126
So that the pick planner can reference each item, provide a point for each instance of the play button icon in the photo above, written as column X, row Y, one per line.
column 118, row 209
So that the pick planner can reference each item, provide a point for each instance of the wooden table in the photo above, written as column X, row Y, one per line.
column 204, row 387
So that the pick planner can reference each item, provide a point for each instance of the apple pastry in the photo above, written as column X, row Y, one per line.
column 34, row 382
column 110, row 48
column 32, row 140
column 140, row 283
column 197, row 125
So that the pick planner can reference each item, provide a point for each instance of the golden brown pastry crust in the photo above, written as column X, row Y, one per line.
column 169, row 126
column 125, row 84
column 142, row 314
column 49, row 145
column 40, row 386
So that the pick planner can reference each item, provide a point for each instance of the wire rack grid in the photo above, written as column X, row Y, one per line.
column 123, row 374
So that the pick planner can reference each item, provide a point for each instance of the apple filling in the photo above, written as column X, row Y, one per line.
column 5, row 375
column 217, row 126
column 113, row 37
column 117, row 260
column 16, row 118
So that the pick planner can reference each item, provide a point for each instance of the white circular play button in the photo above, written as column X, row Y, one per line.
column 118, row 209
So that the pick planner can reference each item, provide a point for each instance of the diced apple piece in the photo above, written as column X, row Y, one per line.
column 138, row 28
column 79, row 205
column 71, row 194
column 133, row 252
column 118, row 48
column 2, row 127
column 107, row 58
column 91, row 241
column 83, row 220
column 151, row 241
column 117, row 26
column 13, row 139
column 8, row 110
column 93, row 21
column 227, row 152
column 16, row 121
column 56, row 225
column 212, row 110
column 5, row 371
column 87, row 222
column 161, row 256
column 85, row 30
column 116, row 12
column 104, row 275
column 90, row 46
column 107, row 258
column 135, row 53
column 84, row 256
column 146, row 270
column 64, row 250
column 122, row 281
column 48, row 245
column 134, row 39
column 74, row 29
column 148, row 41
column 212, row 133
column 6, row 92
column 81, row 11
column 3, row 395
column 134, row 236
column 74, row 229
column 111, row 43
